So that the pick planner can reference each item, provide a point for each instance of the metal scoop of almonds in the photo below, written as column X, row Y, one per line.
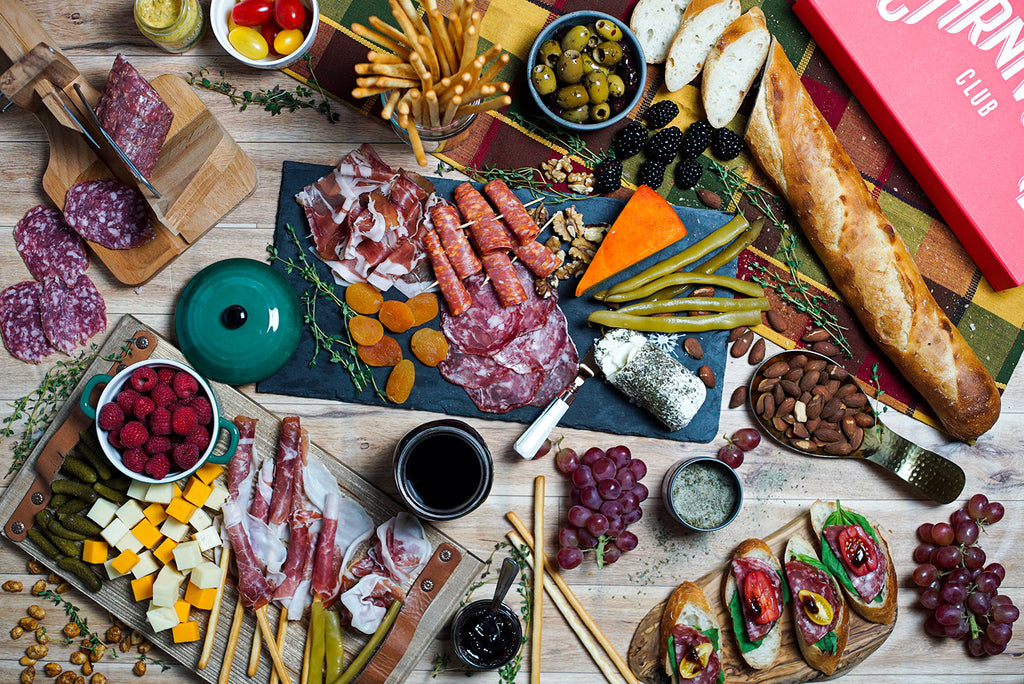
column 808, row 403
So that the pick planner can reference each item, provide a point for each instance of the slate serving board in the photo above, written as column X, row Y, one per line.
column 598, row 407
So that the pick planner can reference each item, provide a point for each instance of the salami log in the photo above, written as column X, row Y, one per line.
column 456, row 246
column 455, row 294
column 512, row 211
column 21, row 323
column 49, row 246
column 503, row 277
column 71, row 315
column 538, row 258
column 109, row 213
column 488, row 233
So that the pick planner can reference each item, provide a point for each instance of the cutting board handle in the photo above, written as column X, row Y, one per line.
column 20, row 31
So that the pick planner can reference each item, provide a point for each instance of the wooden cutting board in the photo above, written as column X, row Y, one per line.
column 789, row 668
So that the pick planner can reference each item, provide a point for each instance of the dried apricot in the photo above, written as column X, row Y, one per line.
column 365, row 330
column 396, row 316
column 424, row 307
column 385, row 353
column 363, row 298
column 429, row 346
column 400, row 381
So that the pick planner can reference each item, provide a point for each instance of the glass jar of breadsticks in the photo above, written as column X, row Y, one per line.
column 429, row 75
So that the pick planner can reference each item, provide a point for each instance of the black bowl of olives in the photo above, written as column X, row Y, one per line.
column 586, row 70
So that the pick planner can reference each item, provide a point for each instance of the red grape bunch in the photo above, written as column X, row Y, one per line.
column 606, row 497
column 743, row 440
column 958, row 586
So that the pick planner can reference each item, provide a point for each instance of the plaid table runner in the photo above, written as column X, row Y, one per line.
column 518, row 136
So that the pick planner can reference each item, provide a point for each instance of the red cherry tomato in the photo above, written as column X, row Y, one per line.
column 269, row 31
column 251, row 12
column 860, row 555
column 761, row 597
column 289, row 14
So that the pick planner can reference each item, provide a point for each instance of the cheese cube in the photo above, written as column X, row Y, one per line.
column 165, row 552
column 208, row 472
column 142, row 588
column 128, row 542
column 185, row 631
column 200, row 520
column 180, row 510
column 196, row 492
column 182, row 608
column 161, row 617
column 155, row 513
column 208, row 538
column 187, row 555
column 147, row 533
column 172, row 529
column 147, row 565
column 130, row 513
column 125, row 562
column 176, row 489
column 200, row 598
column 206, row 575
column 165, row 587
column 112, row 573
column 217, row 497
column 102, row 512
column 94, row 551
column 137, row 490
column 159, row 493
column 114, row 530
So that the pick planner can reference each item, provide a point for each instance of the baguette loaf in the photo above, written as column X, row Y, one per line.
column 703, row 22
column 732, row 65
column 866, row 258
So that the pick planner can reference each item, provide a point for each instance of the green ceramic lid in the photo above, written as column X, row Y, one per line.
column 238, row 321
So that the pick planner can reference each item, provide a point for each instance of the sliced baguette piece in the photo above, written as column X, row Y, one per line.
column 687, row 606
column 702, row 24
column 655, row 23
column 884, row 612
column 733, row 64
column 764, row 655
column 820, row 660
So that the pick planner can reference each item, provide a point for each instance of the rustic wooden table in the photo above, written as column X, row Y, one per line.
column 778, row 484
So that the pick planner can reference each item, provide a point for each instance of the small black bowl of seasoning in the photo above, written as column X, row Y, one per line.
column 702, row 494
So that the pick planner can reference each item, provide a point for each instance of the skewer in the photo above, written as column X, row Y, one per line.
column 499, row 216
column 282, row 630
column 232, row 643
column 211, row 627
column 268, row 639
column 537, row 612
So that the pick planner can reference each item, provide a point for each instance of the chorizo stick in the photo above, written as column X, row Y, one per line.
column 538, row 258
column 512, row 211
column 488, row 234
column 504, row 279
column 456, row 247
column 866, row 258
column 454, row 292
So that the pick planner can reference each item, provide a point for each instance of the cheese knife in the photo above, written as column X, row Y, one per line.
column 530, row 441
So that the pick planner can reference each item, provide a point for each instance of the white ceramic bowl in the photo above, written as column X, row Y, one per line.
column 219, row 11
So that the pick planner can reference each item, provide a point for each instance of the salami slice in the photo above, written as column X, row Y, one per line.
column 512, row 391
column 800, row 576
column 487, row 326
column 686, row 638
column 21, row 323
column 472, row 371
column 71, row 315
column 871, row 584
column 538, row 258
column 741, row 567
column 559, row 374
column 504, row 278
column 109, row 213
column 489, row 235
column 535, row 311
column 49, row 246
column 456, row 246
column 535, row 350
column 455, row 294
column 512, row 211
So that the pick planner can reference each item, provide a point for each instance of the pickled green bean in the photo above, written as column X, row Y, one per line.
column 696, row 304
column 359, row 662
column 334, row 651
column 687, row 278
column 315, row 673
column 676, row 324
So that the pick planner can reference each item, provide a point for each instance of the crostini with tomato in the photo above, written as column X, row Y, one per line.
column 755, row 591
column 689, row 638
column 818, row 607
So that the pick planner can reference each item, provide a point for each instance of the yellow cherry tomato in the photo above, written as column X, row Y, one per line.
column 249, row 43
column 288, row 41
column 690, row 668
column 231, row 23
column 818, row 610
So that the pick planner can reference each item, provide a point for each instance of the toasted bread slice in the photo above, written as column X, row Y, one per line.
column 655, row 23
column 686, row 606
column 731, row 66
column 818, row 659
column 884, row 611
column 764, row 655
column 702, row 24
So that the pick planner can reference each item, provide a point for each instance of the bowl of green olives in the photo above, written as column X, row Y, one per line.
column 586, row 70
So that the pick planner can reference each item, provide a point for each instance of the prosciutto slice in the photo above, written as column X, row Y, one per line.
column 305, row 522
column 368, row 601
column 253, row 587
column 290, row 454
column 403, row 546
column 241, row 464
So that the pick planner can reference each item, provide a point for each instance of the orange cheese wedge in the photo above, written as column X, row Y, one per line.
column 646, row 225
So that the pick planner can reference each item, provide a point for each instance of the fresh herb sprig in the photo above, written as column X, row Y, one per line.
column 340, row 349
column 573, row 144
column 74, row 615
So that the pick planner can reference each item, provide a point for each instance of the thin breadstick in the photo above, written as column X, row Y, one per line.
column 268, row 640
column 254, row 653
column 383, row 58
column 496, row 103
column 369, row 92
column 470, row 38
column 452, row 94
column 537, row 610
column 404, row 22
column 591, row 646
column 390, row 31
column 422, row 71
column 386, row 82
column 211, row 625
column 620, row 664
column 455, row 31
column 432, row 108
column 406, row 122
column 494, row 69
column 282, row 630
column 232, row 642
column 491, row 52
column 466, row 15
column 395, row 70
column 449, row 111
column 383, row 41
column 417, row 20
column 304, row 677
column 416, row 106
column 427, row 48
column 429, row 5
column 480, row 91
column 445, row 51
column 392, row 102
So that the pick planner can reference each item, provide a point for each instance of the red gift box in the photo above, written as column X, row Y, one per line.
column 944, row 81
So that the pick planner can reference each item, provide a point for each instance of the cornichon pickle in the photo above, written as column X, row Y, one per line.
column 100, row 489
column 75, row 505
column 57, row 528
column 44, row 517
column 58, row 500
column 118, row 482
column 78, row 469
column 80, row 524
column 44, row 543
column 90, row 452
column 66, row 546
column 82, row 491
column 84, row 573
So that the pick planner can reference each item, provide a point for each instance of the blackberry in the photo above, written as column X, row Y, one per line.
column 664, row 144
column 696, row 140
column 688, row 174
column 629, row 140
column 607, row 175
column 660, row 114
column 725, row 144
column 652, row 173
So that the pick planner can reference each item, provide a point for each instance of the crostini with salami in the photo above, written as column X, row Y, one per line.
column 755, row 591
column 818, row 606
column 690, row 638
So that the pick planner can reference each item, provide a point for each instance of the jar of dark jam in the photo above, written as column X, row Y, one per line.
column 486, row 639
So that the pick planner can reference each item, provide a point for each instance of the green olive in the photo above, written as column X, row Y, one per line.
column 577, row 115
column 570, row 67
column 572, row 96
column 549, row 53
column 608, row 53
column 608, row 30
column 590, row 65
column 596, row 84
column 544, row 79
column 576, row 39
column 616, row 87
column 594, row 39
column 600, row 112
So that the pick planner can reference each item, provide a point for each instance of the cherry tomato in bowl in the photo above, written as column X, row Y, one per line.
column 252, row 12
column 269, row 31
column 288, row 41
column 289, row 14
column 249, row 43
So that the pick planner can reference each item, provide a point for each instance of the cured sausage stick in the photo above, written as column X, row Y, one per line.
column 455, row 293
column 865, row 256
column 512, row 210
column 504, row 279
column 538, row 258
column 489, row 235
column 456, row 247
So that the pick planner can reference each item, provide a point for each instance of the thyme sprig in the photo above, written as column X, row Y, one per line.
column 574, row 145
column 341, row 349
column 74, row 615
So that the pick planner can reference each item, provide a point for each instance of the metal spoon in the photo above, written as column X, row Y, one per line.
column 509, row 572
column 936, row 477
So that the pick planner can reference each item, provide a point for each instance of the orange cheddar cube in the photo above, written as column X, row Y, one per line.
column 200, row 598
column 125, row 562
column 181, row 510
column 165, row 552
column 155, row 513
column 147, row 533
column 177, row 490
column 208, row 472
column 186, row 631
column 196, row 492
column 94, row 551
column 142, row 588
column 182, row 608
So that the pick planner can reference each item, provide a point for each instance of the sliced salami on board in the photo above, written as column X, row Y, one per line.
column 109, row 213
column 21, row 323
column 71, row 315
column 49, row 246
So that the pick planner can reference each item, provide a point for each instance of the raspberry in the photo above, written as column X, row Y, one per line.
column 134, row 460
column 660, row 114
column 114, row 437
column 143, row 379
column 160, row 421
column 163, row 395
column 143, row 407
column 184, row 385
column 133, row 434
column 688, row 173
column 203, row 410
column 186, row 456
column 111, row 417
column 174, row 406
column 183, row 421
column 157, row 444
column 725, row 144
column 126, row 399
column 158, row 466
column 199, row 437
column 165, row 374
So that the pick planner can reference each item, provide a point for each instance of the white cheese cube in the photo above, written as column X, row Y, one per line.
column 207, row 538
column 161, row 617
column 113, row 532
column 206, row 575
column 147, row 565
column 111, row 572
column 128, row 542
column 160, row 493
column 102, row 512
column 174, row 530
column 137, row 490
column 187, row 555
column 130, row 513
column 165, row 588
column 200, row 520
column 217, row 497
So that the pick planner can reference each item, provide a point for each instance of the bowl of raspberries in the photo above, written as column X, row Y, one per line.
column 158, row 421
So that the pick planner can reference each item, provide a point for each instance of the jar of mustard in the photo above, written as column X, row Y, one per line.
column 174, row 25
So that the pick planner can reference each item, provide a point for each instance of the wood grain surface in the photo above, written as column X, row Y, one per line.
column 778, row 484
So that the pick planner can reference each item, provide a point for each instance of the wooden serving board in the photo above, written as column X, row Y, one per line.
column 115, row 595
column 789, row 668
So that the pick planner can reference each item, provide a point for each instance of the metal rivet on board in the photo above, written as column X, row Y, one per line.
column 445, row 555
column 120, row 367
column 141, row 342
column 427, row 585
column 18, row 527
column 37, row 498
